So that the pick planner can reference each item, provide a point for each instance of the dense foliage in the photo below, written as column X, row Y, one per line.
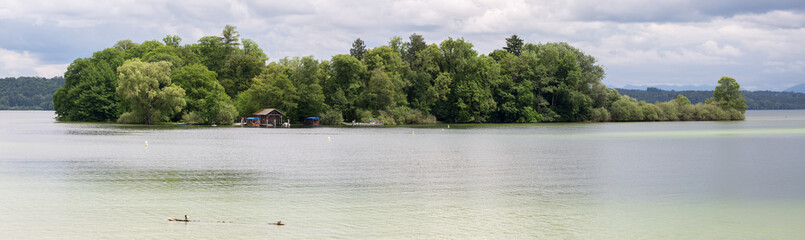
column 403, row 82
column 148, row 89
column 28, row 93
column 755, row 100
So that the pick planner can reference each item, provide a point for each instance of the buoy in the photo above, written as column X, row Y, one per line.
column 146, row 143
column 328, row 139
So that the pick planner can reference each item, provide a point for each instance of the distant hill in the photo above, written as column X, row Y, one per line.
column 672, row 87
column 799, row 88
column 757, row 100
column 28, row 93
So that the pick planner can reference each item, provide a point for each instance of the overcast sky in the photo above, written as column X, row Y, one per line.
column 676, row 42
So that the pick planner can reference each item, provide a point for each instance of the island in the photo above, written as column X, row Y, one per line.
column 222, row 79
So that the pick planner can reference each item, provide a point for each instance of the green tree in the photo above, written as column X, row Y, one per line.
column 125, row 45
column 251, row 48
column 728, row 95
column 88, row 93
column 231, row 38
column 271, row 89
column 148, row 88
column 205, row 97
column 416, row 45
column 400, row 48
column 307, row 74
column 345, row 84
column 514, row 45
column 682, row 100
column 211, row 52
column 358, row 49
column 626, row 109
column 379, row 93
column 238, row 72
column 172, row 40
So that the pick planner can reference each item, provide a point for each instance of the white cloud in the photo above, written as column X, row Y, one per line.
column 712, row 47
column 702, row 37
column 15, row 64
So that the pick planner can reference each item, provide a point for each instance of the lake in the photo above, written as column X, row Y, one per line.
column 650, row 180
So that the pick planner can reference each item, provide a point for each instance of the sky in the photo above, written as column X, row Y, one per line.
column 667, row 42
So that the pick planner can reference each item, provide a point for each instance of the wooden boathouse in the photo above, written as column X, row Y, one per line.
column 269, row 117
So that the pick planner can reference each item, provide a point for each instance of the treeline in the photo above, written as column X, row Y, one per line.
column 755, row 100
column 28, row 93
column 221, row 78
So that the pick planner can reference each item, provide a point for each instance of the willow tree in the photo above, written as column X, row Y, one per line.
column 148, row 88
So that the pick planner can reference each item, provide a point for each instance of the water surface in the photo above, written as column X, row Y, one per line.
column 654, row 180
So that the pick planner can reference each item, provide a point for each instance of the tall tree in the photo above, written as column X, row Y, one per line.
column 514, row 45
column 358, row 49
column 231, row 38
column 416, row 45
column 344, row 85
column 148, row 88
column 728, row 94
column 307, row 74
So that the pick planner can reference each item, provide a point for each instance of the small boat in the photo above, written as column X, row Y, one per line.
column 173, row 219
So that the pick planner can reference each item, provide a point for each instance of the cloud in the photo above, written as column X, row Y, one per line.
column 15, row 64
column 697, row 39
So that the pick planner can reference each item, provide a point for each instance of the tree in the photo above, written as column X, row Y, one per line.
column 252, row 49
column 358, row 49
column 728, row 95
column 400, row 48
column 230, row 38
column 345, row 83
column 514, row 45
column 205, row 97
column 626, row 109
column 212, row 52
column 307, row 74
column 379, row 92
column 238, row 71
column 273, row 88
column 125, row 45
column 172, row 40
column 148, row 88
column 415, row 46
column 88, row 93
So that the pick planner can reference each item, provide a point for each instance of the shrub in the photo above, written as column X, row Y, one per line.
column 332, row 117
column 600, row 115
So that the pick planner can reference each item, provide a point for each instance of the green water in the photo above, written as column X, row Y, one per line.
column 668, row 180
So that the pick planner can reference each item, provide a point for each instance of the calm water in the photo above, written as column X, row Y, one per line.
column 671, row 180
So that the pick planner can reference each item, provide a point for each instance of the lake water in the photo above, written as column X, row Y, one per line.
column 654, row 180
